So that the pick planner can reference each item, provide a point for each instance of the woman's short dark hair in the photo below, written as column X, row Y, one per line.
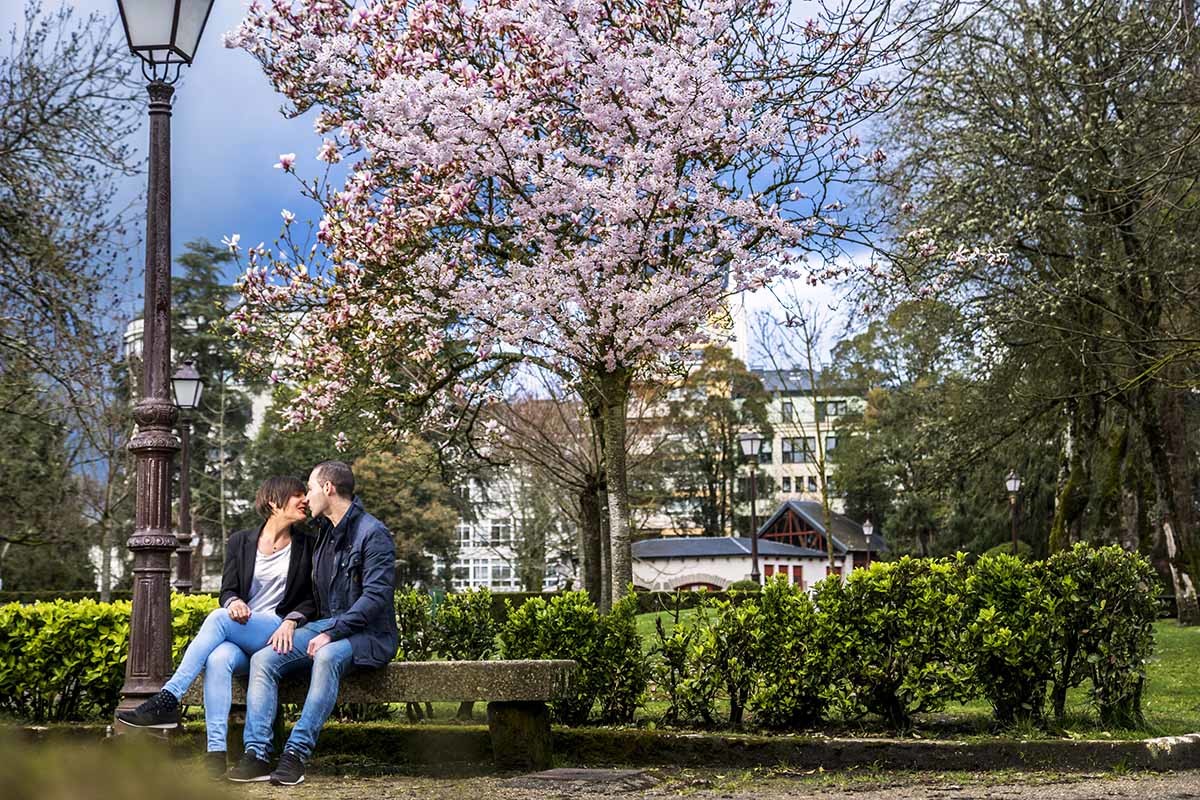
column 339, row 474
column 276, row 492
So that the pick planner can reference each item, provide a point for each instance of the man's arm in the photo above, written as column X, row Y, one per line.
column 378, row 587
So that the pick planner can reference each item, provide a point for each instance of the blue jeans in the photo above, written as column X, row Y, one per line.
column 222, row 649
column 262, row 692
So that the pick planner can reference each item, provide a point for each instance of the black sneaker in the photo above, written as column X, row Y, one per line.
column 160, row 711
column 251, row 768
column 289, row 771
column 215, row 764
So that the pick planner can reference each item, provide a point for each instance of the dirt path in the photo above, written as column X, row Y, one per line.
column 325, row 784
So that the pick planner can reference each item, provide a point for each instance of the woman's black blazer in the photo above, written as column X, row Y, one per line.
column 240, row 552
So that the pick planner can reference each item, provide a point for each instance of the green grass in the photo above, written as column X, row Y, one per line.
column 1171, row 702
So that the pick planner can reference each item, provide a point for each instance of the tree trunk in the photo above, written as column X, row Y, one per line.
column 615, row 389
column 1072, row 497
column 1166, row 441
column 106, row 569
column 590, row 531
column 605, row 555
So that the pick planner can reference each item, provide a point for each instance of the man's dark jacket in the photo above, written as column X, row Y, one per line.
column 354, row 582
column 240, row 553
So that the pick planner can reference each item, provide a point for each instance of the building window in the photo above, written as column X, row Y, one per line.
column 798, row 449
column 831, row 444
column 834, row 408
column 464, row 534
column 501, row 532
column 812, row 483
column 501, row 575
column 787, row 412
column 463, row 492
column 787, row 484
column 764, row 451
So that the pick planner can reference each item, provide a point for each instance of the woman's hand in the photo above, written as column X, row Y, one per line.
column 239, row 612
column 281, row 639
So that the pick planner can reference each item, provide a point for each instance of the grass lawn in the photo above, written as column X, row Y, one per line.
column 1171, row 702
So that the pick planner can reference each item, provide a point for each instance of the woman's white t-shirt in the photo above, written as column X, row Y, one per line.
column 270, row 580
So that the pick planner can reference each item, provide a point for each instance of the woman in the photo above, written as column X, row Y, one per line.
column 266, row 593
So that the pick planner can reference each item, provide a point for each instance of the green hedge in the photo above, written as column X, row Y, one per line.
column 909, row 636
column 895, row 639
column 66, row 660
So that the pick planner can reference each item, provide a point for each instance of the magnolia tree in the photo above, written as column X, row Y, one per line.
column 569, row 183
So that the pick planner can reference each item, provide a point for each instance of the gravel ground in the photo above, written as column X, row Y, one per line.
column 326, row 784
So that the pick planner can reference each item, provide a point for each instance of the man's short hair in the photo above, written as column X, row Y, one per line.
column 276, row 492
column 339, row 474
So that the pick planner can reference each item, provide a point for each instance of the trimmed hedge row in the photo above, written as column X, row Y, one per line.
column 897, row 639
column 909, row 636
column 66, row 660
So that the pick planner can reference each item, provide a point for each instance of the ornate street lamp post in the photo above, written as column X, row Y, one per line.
column 186, row 386
column 1013, row 484
column 868, row 529
column 750, row 444
column 164, row 34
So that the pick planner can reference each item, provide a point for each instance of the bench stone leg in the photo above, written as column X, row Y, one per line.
column 520, row 735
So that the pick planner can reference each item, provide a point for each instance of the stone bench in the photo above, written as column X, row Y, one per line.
column 516, row 693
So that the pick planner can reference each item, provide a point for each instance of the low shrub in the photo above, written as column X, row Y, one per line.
column 795, row 674
column 464, row 627
column 611, row 666
column 1106, row 601
column 899, row 637
column 1012, row 627
column 66, row 660
column 721, row 659
column 414, row 624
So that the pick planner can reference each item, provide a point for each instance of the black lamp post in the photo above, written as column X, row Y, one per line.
column 164, row 34
column 868, row 529
column 1013, row 484
column 186, row 386
column 750, row 444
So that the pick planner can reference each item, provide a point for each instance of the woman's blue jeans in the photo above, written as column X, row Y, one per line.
column 262, row 690
column 222, row 649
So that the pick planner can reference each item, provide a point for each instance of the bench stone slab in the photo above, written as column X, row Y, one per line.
column 431, row 681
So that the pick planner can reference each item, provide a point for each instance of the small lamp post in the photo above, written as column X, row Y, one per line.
column 750, row 444
column 186, row 386
column 868, row 529
column 1013, row 484
column 164, row 34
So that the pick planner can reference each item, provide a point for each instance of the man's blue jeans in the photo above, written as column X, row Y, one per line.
column 262, row 692
column 222, row 649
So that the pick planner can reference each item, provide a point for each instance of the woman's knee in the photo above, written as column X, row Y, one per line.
column 223, row 659
column 217, row 617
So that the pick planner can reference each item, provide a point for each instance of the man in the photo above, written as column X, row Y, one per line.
column 354, row 582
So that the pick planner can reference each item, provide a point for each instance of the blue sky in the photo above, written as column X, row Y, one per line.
column 227, row 133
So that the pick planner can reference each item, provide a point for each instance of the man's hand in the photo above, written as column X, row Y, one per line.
column 317, row 643
column 281, row 639
column 238, row 611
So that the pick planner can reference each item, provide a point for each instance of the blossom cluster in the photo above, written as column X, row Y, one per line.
column 577, row 182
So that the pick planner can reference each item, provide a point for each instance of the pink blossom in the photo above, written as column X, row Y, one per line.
column 286, row 160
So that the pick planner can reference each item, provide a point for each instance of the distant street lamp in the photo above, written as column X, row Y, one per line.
column 868, row 529
column 750, row 444
column 1013, row 484
column 186, row 386
column 164, row 35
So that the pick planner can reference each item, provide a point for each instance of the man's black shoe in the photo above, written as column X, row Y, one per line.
column 251, row 768
column 289, row 771
column 160, row 711
column 215, row 764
